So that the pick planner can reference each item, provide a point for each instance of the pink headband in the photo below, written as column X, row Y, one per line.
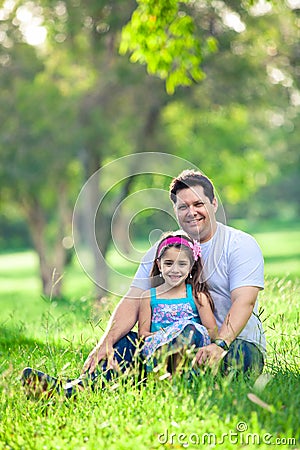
column 179, row 240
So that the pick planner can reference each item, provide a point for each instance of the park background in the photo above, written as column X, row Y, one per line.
column 85, row 84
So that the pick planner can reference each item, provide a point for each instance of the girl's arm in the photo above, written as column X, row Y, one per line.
column 206, row 315
column 144, row 315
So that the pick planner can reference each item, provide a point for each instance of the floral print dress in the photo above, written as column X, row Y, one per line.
column 170, row 317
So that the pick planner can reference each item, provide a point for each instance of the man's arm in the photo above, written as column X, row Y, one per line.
column 243, row 301
column 121, row 322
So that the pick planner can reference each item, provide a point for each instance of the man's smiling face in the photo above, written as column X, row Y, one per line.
column 195, row 213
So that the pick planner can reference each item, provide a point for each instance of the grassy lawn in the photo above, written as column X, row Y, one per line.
column 205, row 411
column 280, row 244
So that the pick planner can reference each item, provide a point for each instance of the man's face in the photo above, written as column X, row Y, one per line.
column 195, row 213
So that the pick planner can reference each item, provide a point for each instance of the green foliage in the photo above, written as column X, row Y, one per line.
column 13, row 231
column 162, row 36
column 74, row 104
column 209, row 138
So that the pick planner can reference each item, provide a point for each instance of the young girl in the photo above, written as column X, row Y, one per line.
column 180, row 307
column 178, row 310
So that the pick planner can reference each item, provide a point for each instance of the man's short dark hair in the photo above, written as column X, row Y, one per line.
column 190, row 178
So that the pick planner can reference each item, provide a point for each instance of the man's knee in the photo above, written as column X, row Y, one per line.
column 124, row 352
column 243, row 357
column 126, row 347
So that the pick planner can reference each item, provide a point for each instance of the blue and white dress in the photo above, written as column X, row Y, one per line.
column 170, row 319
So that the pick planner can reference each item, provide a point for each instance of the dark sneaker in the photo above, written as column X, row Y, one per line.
column 38, row 384
column 71, row 387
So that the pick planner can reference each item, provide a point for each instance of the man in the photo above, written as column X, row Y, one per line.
column 233, row 268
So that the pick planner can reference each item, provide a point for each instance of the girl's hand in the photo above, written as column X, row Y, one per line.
column 145, row 334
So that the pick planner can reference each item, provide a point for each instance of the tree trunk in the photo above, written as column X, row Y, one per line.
column 51, row 261
column 99, row 225
column 86, row 223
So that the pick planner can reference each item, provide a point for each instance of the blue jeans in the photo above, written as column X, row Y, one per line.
column 189, row 336
column 242, row 356
column 125, row 350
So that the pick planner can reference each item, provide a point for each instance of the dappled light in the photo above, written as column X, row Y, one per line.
column 103, row 103
column 30, row 20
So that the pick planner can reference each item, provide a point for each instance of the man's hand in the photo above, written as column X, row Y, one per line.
column 210, row 355
column 243, row 300
column 121, row 322
column 99, row 353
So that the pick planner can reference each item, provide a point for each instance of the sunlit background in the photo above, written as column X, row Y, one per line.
column 83, row 85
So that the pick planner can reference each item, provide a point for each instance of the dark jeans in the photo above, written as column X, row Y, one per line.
column 125, row 350
column 242, row 356
column 189, row 336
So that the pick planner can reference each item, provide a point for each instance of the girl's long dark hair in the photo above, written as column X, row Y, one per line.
column 197, row 282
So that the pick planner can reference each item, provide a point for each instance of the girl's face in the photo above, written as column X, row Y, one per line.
column 175, row 266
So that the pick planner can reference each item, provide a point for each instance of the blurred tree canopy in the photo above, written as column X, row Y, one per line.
column 72, row 101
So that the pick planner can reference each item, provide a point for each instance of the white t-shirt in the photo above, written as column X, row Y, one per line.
column 231, row 259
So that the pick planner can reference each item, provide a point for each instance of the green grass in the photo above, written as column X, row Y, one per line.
column 56, row 336
column 280, row 244
column 284, row 257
